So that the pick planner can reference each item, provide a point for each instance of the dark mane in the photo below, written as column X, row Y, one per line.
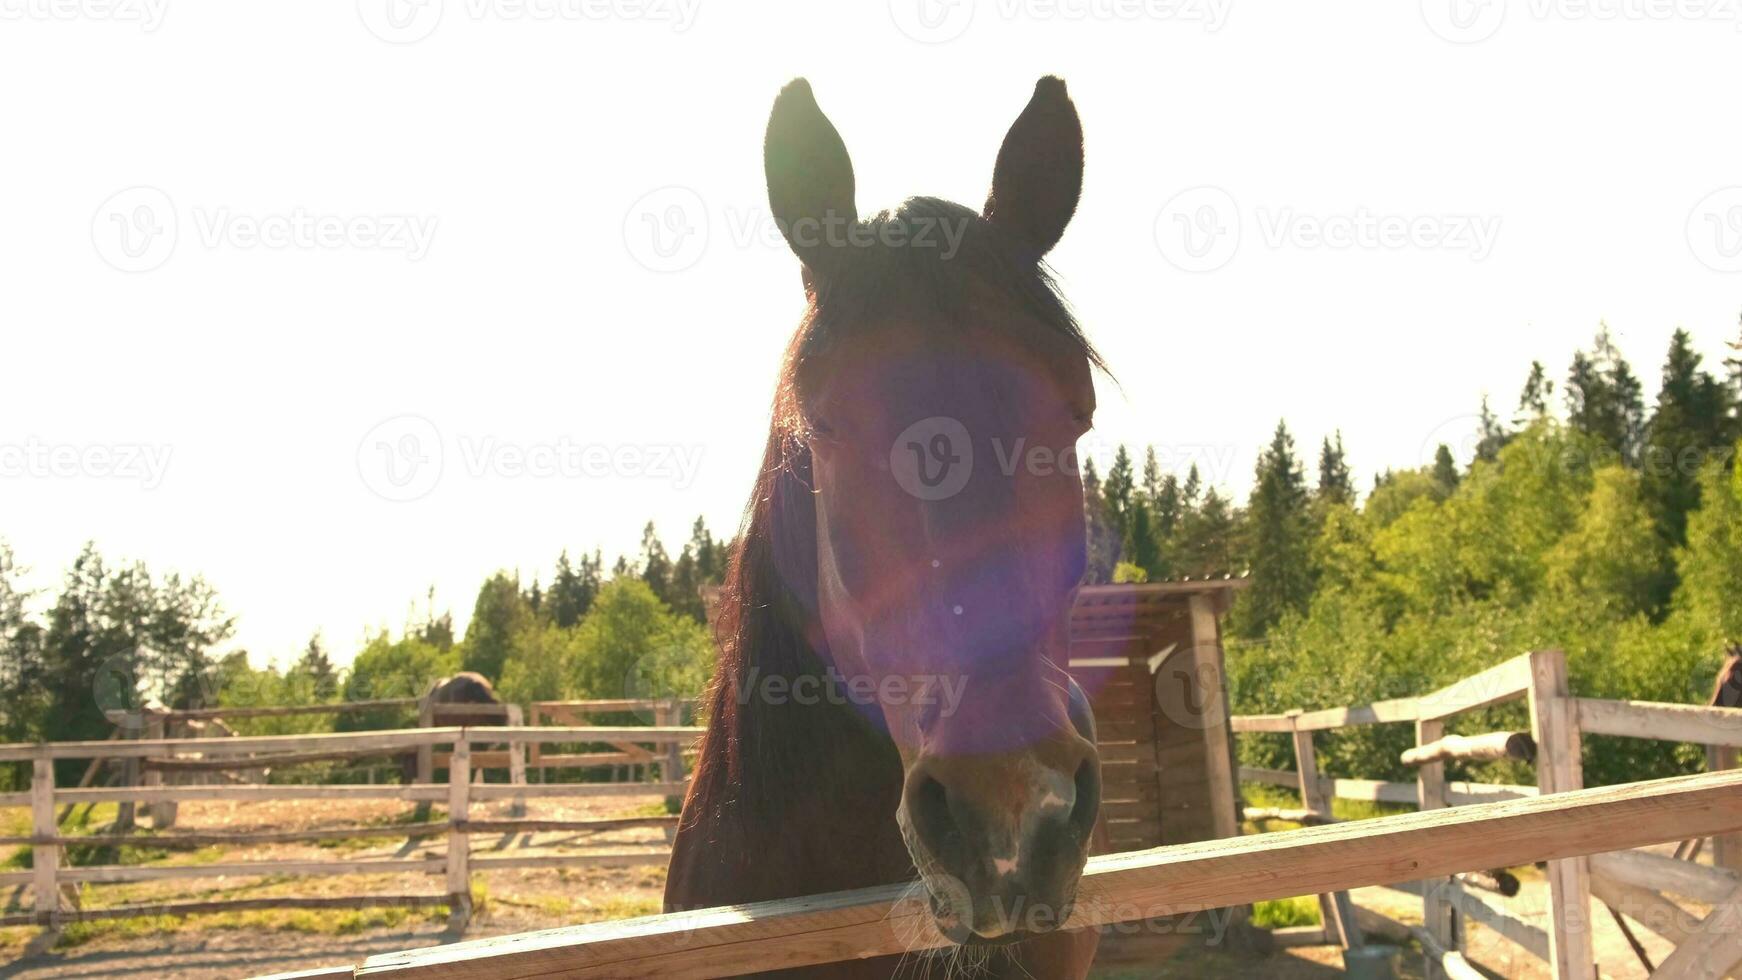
column 768, row 598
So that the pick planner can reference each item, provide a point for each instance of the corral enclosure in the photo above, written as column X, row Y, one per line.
column 1151, row 659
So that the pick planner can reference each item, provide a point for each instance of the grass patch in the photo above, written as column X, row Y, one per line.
column 314, row 922
column 1284, row 913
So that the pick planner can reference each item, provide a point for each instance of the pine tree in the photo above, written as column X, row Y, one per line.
column 655, row 564
column 1102, row 546
column 1279, row 539
column 1605, row 398
column 1152, row 478
column 1140, row 546
column 318, row 667
column 1336, row 485
column 573, row 589
column 1445, row 469
column 1533, row 400
column 1493, row 436
column 1687, row 423
column 1118, row 491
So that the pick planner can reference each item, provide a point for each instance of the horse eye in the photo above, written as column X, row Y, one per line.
column 818, row 426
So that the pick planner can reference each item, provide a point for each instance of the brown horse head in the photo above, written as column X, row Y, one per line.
column 929, row 524
column 1727, row 691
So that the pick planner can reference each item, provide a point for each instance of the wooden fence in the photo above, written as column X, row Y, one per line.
column 1633, row 883
column 1446, row 852
column 1116, row 888
column 49, row 871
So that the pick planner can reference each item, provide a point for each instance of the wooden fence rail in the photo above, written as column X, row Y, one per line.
column 49, row 871
column 1116, row 888
column 1628, row 882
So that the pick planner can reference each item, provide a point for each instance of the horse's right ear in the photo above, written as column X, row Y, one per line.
column 810, row 179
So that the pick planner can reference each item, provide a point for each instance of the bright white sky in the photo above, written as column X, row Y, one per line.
column 1552, row 161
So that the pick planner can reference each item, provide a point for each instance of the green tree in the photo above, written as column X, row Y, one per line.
column 1103, row 551
column 655, row 563
column 500, row 617
column 1140, row 547
column 1336, row 484
column 632, row 645
column 1445, row 470
column 1687, row 423
column 1118, row 492
column 1533, row 400
column 1491, row 434
column 387, row 669
column 1613, row 556
column 1710, row 564
column 1604, row 398
column 1278, row 546
column 572, row 589
column 317, row 666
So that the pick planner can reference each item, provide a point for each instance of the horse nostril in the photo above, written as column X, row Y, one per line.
column 1088, row 803
column 929, row 809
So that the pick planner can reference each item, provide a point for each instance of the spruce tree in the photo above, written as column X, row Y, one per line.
column 1102, row 546
column 1493, row 436
column 1445, row 471
column 1605, row 399
column 318, row 666
column 1118, row 491
column 1278, row 531
column 1533, row 400
column 1687, row 423
column 1336, row 484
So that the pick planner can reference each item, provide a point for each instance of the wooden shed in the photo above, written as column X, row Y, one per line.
column 1150, row 658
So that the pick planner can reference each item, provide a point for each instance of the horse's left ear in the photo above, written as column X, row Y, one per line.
column 1039, row 176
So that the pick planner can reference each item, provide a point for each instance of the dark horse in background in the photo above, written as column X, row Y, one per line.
column 891, row 703
column 465, row 687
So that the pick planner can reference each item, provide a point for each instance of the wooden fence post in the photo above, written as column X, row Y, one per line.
column 1726, row 849
column 459, row 844
column 163, row 812
column 44, row 857
column 669, row 714
column 517, row 761
column 1554, row 722
column 1336, row 911
column 426, row 751
column 1430, row 794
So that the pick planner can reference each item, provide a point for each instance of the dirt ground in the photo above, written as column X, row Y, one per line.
column 252, row 944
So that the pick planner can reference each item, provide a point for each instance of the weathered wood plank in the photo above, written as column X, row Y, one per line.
column 1554, row 723
column 1121, row 887
column 1665, row 722
column 1474, row 748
